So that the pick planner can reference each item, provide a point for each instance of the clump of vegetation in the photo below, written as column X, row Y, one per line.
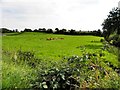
column 27, row 57
column 91, row 70
column 23, row 57
column 111, row 29
column 87, row 71
column 16, row 75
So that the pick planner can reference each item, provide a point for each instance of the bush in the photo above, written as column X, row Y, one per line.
column 101, row 40
column 87, row 71
column 26, row 57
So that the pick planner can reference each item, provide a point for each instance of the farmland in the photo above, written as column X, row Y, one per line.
column 53, row 50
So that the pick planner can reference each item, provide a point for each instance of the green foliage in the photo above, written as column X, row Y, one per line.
column 111, row 27
column 27, row 57
column 38, row 63
column 87, row 71
column 16, row 75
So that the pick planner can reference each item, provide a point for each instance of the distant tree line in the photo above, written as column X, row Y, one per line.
column 5, row 30
column 66, row 32
column 57, row 31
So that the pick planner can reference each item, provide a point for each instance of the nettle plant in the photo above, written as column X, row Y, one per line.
column 87, row 71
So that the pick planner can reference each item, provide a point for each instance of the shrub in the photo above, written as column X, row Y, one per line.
column 101, row 40
column 26, row 57
column 87, row 71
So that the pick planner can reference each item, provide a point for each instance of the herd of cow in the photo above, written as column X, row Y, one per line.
column 55, row 39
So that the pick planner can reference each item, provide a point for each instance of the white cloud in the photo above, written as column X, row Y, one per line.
column 69, row 14
column 0, row 16
column 119, row 4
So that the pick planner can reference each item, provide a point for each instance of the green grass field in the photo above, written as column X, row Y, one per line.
column 59, row 47
column 37, row 42
column 53, row 49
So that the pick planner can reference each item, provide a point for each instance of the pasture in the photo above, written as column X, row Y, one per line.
column 48, row 48
column 52, row 49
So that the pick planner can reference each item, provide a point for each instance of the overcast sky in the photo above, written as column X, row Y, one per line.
column 69, row 14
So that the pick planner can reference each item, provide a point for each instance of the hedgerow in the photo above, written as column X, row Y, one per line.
column 87, row 71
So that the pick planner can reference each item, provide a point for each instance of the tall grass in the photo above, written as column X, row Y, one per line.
column 16, row 75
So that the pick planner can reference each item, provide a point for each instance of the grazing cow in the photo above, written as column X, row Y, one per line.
column 49, row 38
column 62, row 38
column 55, row 38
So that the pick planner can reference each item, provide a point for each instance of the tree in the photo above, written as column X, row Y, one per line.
column 57, row 30
column 27, row 30
column 72, row 32
column 5, row 30
column 49, row 31
column 43, row 30
column 111, row 27
column 35, row 30
column 16, row 30
column 62, row 31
